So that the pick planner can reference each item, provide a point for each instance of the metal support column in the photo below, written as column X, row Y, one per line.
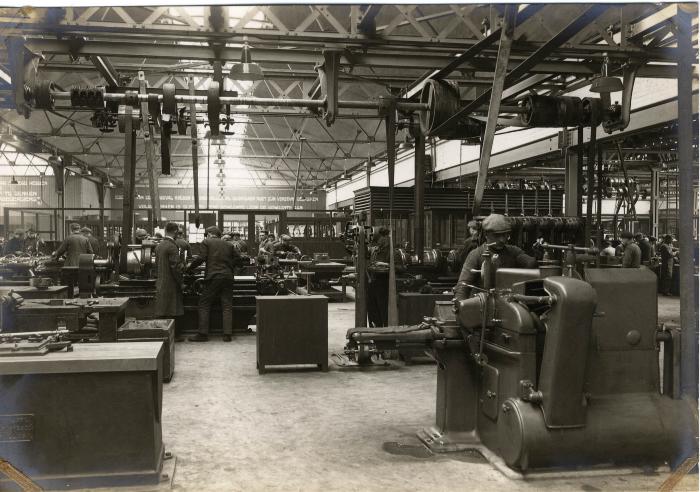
column 572, row 183
column 686, row 202
column 390, row 127
column 599, row 203
column 368, row 171
column 129, row 186
column 419, row 196
column 101, row 200
column 147, row 129
column 195, row 162
column 499, row 78
column 654, row 204
column 361, row 276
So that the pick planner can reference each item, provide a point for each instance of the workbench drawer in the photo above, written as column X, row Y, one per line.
column 292, row 331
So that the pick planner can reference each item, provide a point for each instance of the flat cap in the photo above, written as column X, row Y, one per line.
column 86, row 229
column 495, row 223
column 140, row 232
column 213, row 230
column 286, row 237
column 626, row 235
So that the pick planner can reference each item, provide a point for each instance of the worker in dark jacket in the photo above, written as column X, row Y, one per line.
column 644, row 247
column 496, row 228
column 94, row 242
column 283, row 246
column 16, row 243
column 632, row 255
column 667, row 253
column 170, row 266
column 182, row 245
column 471, row 243
column 73, row 246
column 240, row 244
column 221, row 259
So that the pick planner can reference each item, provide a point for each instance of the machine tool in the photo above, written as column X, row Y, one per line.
column 541, row 371
column 320, row 276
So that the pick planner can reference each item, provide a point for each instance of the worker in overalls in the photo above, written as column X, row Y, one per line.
column 283, row 247
column 170, row 266
column 496, row 228
column 94, row 242
column 221, row 259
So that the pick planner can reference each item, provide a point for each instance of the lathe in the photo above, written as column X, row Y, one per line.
column 540, row 371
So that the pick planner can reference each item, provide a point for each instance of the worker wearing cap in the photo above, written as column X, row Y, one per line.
column 632, row 255
column 140, row 235
column 496, row 229
column 283, row 246
column 239, row 243
column 667, row 253
column 221, row 259
column 33, row 244
column 94, row 242
column 73, row 246
column 169, row 263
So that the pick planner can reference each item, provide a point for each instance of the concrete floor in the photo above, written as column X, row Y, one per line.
column 232, row 429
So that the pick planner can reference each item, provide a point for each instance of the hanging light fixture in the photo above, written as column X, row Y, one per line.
column 246, row 69
column 604, row 83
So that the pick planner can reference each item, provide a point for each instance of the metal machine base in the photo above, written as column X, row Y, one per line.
column 154, row 481
column 456, row 442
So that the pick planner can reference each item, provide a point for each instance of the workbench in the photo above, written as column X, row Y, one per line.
column 90, row 417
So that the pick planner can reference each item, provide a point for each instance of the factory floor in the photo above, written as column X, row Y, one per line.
column 232, row 429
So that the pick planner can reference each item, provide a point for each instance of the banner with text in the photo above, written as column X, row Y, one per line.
column 234, row 199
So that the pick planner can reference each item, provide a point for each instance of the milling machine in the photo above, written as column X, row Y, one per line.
column 541, row 371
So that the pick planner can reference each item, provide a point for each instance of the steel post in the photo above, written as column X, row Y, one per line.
column 390, row 128
column 361, row 276
column 686, row 205
column 419, row 193
column 494, row 105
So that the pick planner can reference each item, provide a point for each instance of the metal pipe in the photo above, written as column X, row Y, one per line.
column 255, row 101
column 689, row 325
column 390, row 129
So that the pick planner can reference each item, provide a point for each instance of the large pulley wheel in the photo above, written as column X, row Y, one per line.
column 443, row 100
column 43, row 97
column 214, row 107
column 169, row 103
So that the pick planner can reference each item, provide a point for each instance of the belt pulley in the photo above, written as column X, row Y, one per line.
column 214, row 107
column 169, row 115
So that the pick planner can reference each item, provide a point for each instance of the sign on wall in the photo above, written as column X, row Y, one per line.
column 234, row 198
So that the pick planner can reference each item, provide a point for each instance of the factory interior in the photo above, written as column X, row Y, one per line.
column 337, row 246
